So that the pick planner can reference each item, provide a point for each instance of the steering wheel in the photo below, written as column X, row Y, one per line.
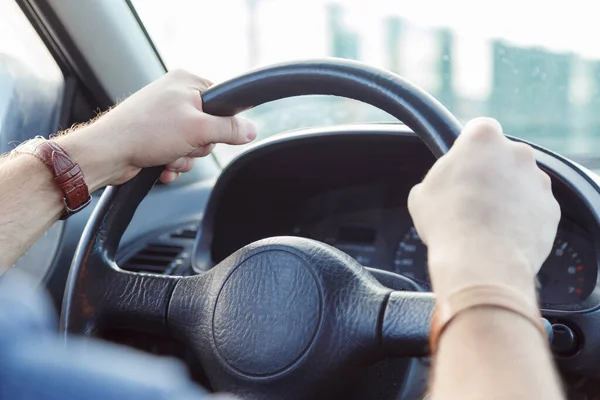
column 283, row 317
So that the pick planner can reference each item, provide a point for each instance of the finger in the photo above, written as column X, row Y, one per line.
column 481, row 129
column 413, row 206
column 169, row 176
column 413, row 199
column 229, row 130
column 185, row 76
column 201, row 83
column 524, row 154
column 202, row 151
column 183, row 164
column 546, row 181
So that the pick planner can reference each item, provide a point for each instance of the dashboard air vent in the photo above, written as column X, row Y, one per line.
column 184, row 234
column 154, row 258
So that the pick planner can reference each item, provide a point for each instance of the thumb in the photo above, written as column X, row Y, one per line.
column 229, row 130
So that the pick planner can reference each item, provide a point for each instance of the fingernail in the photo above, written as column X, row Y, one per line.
column 250, row 127
column 168, row 176
column 173, row 176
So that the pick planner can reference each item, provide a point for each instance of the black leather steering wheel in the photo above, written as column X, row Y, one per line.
column 284, row 317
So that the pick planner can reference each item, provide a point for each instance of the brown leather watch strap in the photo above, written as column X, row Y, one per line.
column 486, row 296
column 67, row 173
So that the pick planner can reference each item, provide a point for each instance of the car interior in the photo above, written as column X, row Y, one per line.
column 292, row 269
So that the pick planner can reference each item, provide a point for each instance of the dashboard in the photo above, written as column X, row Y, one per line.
column 358, row 205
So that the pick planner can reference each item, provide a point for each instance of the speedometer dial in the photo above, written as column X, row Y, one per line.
column 569, row 273
column 568, row 276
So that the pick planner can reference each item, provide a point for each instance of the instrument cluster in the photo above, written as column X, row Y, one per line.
column 385, row 238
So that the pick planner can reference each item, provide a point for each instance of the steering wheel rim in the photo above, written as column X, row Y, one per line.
column 99, row 294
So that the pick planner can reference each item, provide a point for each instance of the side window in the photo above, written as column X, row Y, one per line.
column 31, row 83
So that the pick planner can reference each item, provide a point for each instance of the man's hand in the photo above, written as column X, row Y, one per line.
column 162, row 124
column 487, row 210
column 487, row 214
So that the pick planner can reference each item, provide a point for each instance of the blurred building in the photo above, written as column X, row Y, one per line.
column 548, row 97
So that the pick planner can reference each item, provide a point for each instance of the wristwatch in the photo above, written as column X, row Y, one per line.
column 67, row 174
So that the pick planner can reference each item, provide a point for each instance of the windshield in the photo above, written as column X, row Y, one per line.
column 527, row 63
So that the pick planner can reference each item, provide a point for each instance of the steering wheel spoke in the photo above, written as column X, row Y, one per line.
column 108, row 297
column 405, row 325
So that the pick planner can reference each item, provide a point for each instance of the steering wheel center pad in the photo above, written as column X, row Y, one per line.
column 286, row 309
column 267, row 313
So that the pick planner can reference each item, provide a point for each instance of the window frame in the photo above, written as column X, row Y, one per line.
column 69, row 60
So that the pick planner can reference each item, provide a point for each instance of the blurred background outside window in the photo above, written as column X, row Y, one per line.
column 534, row 65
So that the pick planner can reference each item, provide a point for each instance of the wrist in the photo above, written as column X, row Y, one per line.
column 487, row 326
column 98, row 159
column 453, row 268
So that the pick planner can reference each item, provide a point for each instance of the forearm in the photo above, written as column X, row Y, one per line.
column 488, row 353
column 31, row 201
column 30, row 204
